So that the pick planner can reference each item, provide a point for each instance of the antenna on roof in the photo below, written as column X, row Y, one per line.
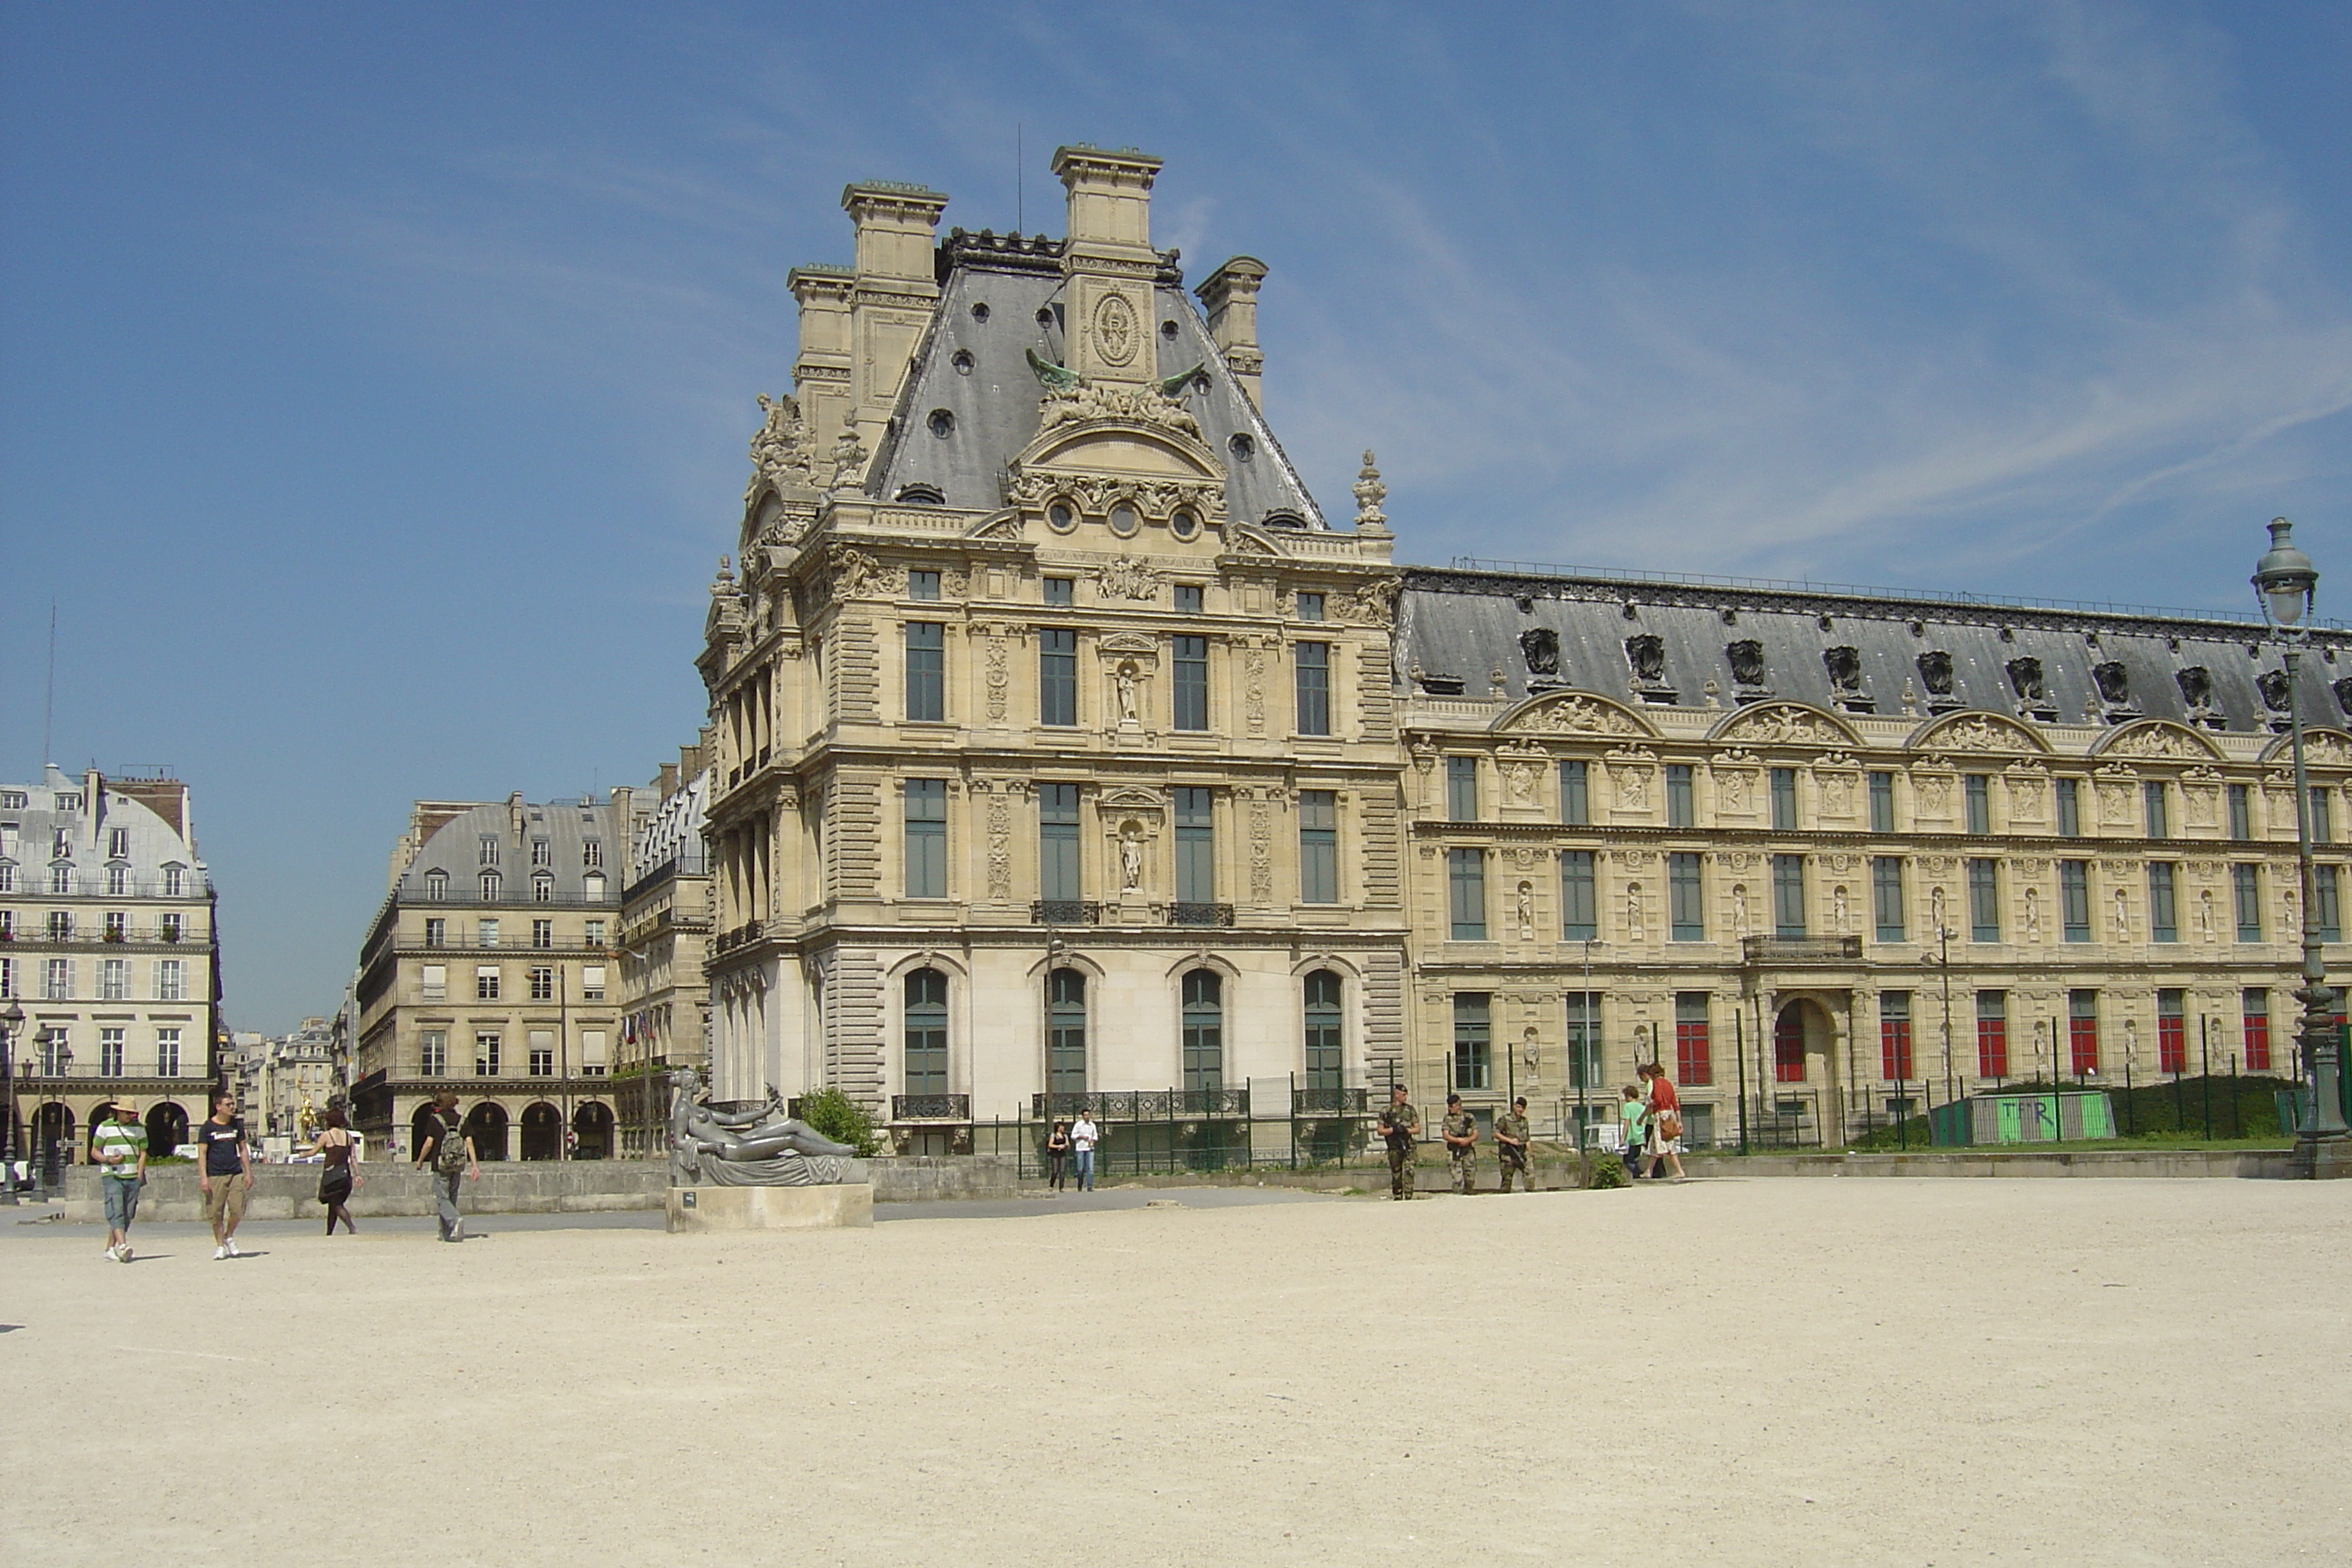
column 1020, row 186
column 50, row 698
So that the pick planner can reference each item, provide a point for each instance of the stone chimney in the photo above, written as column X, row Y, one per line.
column 891, row 295
column 516, row 821
column 821, row 371
column 1229, row 295
column 1108, row 265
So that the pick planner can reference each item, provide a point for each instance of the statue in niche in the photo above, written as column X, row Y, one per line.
column 2033, row 914
column 762, row 1147
column 2205, row 914
column 1125, row 678
column 1633, row 912
column 2123, row 917
column 1739, row 909
column 1936, row 908
column 1526, row 908
column 1838, row 909
column 1131, row 857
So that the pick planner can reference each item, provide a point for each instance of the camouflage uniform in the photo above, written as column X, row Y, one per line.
column 1464, row 1160
column 1513, row 1160
column 1401, row 1126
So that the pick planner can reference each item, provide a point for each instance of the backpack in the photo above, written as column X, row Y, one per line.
column 449, row 1154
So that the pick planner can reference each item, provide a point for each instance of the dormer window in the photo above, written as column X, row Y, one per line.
column 920, row 495
column 543, row 853
column 592, row 852
column 7, row 876
column 118, row 881
column 593, row 885
column 61, row 843
column 1285, row 522
column 542, row 889
column 490, row 856
column 437, row 885
column 118, row 843
column 175, row 882
column 490, row 887
column 61, row 879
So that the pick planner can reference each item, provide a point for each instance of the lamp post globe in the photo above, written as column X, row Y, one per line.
column 2286, row 584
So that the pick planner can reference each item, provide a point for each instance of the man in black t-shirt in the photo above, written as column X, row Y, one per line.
column 223, row 1173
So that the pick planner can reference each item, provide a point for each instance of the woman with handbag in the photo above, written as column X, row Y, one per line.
column 336, row 1146
column 1665, row 1140
column 1057, row 1155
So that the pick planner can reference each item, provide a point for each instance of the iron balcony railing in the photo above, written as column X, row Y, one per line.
column 930, row 1108
column 130, row 936
column 1330, row 1102
column 515, row 893
column 1143, row 1104
column 1799, row 948
column 94, row 885
column 1191, row 914
column 1065, row 912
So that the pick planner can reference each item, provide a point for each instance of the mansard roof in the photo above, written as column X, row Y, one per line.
column 454, row 849
column 972, row 363
column 1660, row 642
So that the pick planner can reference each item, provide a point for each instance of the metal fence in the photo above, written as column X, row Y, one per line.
column 1268, row 1124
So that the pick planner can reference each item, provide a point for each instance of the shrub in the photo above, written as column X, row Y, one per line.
column 841, row 1119
column 1602, row 1171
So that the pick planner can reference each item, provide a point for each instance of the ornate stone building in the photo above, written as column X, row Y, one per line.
column 1064, row 747
column 665, row 995
column 489, row 971
column 108, row 944
column 1056, row 741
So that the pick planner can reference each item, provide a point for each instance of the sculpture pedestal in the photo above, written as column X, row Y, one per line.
column 770, row 1208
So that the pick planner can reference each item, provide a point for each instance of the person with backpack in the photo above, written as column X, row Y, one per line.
column 450, row 1153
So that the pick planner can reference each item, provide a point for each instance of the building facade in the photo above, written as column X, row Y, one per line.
column 108, row 944
column 665, row 915
column 490, row 973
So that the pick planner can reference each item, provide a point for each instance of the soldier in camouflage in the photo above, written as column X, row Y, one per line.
column 1460, row 1130
column 1399, row 1126
column 1511, row 1145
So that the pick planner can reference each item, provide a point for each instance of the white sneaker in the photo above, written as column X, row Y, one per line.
column 233, row 1252
column 125, row 1256
column 219, row 1253
column 114, row 1255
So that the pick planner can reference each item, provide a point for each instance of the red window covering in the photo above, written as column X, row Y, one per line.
column 1694, row 1058
column 1895, row 1049
column 1993, row 1047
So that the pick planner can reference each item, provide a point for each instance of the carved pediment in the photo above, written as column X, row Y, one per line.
column 2321, row 748
column 2157, row 738
column 1130, row 643
column 1785, row 724
column 1128, row 797
column 1574, row 713
column 1977, row 732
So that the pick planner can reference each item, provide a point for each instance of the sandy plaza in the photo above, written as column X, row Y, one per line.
column 1864, row 1372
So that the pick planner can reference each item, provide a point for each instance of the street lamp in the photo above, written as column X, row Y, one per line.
column 2286, row 584
column 1942, row 960
column 12, row 1026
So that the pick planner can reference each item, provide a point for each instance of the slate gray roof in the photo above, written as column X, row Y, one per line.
column 993, row 403
column 567, row 825
column 1465, row 624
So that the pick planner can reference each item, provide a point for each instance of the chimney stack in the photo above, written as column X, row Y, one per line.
column 1229, row 295
column 1108, row 264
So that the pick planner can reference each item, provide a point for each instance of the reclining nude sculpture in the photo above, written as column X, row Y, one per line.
column 761, row 1148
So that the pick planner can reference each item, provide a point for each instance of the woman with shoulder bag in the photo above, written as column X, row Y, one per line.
column 1665, row 1124
column 1057, row 1155
column 337, row 1146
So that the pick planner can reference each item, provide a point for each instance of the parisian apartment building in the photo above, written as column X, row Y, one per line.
column 665, row 930
column 1064, row 747
column 490, row 971
column 110, row 949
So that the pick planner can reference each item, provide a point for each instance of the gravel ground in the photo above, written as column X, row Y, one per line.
column 1875, row 1372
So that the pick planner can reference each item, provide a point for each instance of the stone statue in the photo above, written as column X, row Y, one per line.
column 2033, row 914
column 1838, row 908
column 2123, row 917
column 1131, row 858
column 761, row 1148
column 1125, row 678
column 1739, row 909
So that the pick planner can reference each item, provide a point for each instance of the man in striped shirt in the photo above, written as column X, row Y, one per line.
column 119, row 1147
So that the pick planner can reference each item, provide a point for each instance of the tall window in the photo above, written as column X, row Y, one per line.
column 542, row 889
column 432, row 981
column 1312, row 662
column 118, row 880
column 1204, row 1029
column 1473, row 1039
column 1685, row 899
column 1579, row 903
column 2075, row 900
column 486, row 933
column 543, row 932
column 488, row 844
column 490, row 884
column 2070, row 808
column 923, row 1053
column 175, row 881
column 1583, row 1039
column 1065, row 1032
column 118, row 843
column 1326, row 1053
column 542, row 982
column 118, row 926
column 486, row 1053
column 61, row 879
column 1462, row 788
column 1992, row 1034
column 1058, row 842
column 1789, row 1046
column 1196, row 845
column 1681, row 808
column 2241, row 811
column 2163, row 901
column 2323, row 820
column 167, row 1053
column 1784, row 800
column 1977, row 790
column 109, row 1053
column 1882, row 803
column 2254, row 1018
column 1189, row 684
column 1984, row 900
column 1694, row 1052
column 591, row 983
column 1787, row 895
column 1886, row 896
column 926, row 838
column 1057, row 676
column 2325, row 904
column 541, row 1044
column 486, row 983
column 1895, row 1034
column 437, row 885
column 2171, row 1030
column 1466, row 881
column 542, row 852
column 171, row 980
column 2157, row 808
column 114, row 979
column 7, row 977
column 1318, row 847
column 1576, row 793
column 927, row 671
column 2082, row 1032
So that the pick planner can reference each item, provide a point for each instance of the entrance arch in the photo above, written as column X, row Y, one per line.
column 486, row 1124
column 53, row 1122
column 1804, row 1067
column 167, row 1129
column 542, row 1132
column 592, row 1125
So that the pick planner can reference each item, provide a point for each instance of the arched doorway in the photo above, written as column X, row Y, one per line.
column 167, row 1129
column 542, row 1132
column 486, row 1124
column 1204, row 1031
column 1803, row 1098
column 53, row 1122
column 591, row 1124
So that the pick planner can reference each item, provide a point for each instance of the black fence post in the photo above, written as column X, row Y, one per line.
column 2206, row 1062
column 2131, row 1114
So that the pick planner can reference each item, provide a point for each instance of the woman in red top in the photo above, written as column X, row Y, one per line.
column 1663, row 1102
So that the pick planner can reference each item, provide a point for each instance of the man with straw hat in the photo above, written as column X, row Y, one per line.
column 120, row 1148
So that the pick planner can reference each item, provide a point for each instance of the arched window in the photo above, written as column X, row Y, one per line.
column 1325, row 1046
column 1065, row 1032
column 490, row 887
column 437, row 884
column 926, row 1047
column 1204, row 1030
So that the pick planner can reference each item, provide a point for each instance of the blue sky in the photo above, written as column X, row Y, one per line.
column 376, row 381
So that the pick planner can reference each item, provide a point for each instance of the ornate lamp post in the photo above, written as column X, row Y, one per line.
column 2285, row 584
column 12, row 1029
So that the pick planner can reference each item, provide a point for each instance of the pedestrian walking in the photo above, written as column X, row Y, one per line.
column 1633, row 1118
column 120, row 1147
column 1400, row 1125
column 223, row 1173
column 1511, row 1146
column 1460, row 1130
column 1083, row 1136
column 1057, row 1155
column 450, row 1153
column 341, row 1173
column 1665, row 1125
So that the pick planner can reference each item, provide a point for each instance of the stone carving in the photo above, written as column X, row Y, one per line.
column 1573, row 713
column 1369, row 492
column 1936, row 671
column 1783, row 724
column 1739, row 909
column 2272, row 685
column 1539, row 646
column 2343, row 689
column 995, row 675
column 2122, row 916
column 2115, row 794
column 1632, row 777
column 1125, row 680
column 1373, row 604
column 2114, row 682
column 999, row 848
column 1844, row 666
column 2205, row 914
column 1935, row 910
column 2159, row 740
column 761, row 1148
column 1734, row 787
column 783, row 451
column 1746, row 658
column 1254, row 689
column 1130, row 405
column 848, row 458
column 1985, row 732
column 1935, row 795
column 1519, row 780
column 1646, row 656
column 1131, row 857
column 2196, row 684
column 1527, row 912
column 2025, row 678
column 2327, row 748
column 1837, row 793
column 1261, row 852
column 1127, row 578
column 1633, row 912
column 2033, row 914
column 1838, row 909
column 855, row 574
